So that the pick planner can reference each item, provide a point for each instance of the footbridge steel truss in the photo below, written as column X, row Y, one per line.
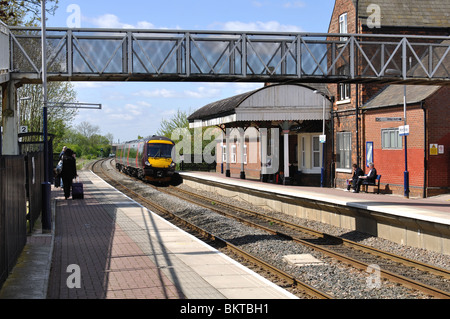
column 173, row 55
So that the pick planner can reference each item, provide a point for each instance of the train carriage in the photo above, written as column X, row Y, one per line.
column 148, row 159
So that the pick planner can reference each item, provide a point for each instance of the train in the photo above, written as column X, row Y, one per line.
column 149, row 159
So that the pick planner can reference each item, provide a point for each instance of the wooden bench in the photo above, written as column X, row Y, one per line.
column 376, row 183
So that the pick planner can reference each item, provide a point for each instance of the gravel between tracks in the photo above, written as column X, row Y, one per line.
column 335, row 278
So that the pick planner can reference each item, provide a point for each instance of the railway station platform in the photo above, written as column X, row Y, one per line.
column 107, row 246
column 422, row 223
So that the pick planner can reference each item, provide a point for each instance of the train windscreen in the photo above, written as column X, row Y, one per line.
column 160, row 150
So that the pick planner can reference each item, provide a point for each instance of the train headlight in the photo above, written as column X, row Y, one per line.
column 147, row 163
column 172, row 165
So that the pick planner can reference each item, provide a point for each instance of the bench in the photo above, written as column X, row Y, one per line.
column 376, row 183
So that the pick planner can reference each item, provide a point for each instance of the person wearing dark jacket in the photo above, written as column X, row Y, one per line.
column 370, row 177
column 69, row 171
column 357, row 172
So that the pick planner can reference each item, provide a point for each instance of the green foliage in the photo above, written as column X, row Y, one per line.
column 85, row 141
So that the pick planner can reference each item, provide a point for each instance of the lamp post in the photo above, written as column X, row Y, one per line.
column 46, row 189
column 405, row 173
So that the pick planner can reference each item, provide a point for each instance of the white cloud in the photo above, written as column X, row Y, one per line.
column 199, row 93
column 270, row 26
column 112, row 21
column 294, row 4
column 157, row 93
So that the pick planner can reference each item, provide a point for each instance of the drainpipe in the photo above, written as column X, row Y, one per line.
column 358, row 155
column 425, row 161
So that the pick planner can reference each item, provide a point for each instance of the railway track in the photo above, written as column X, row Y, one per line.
column 412, row 274
column 256, row 263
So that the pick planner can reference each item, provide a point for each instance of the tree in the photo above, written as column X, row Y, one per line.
column 177, row 128
column 25, row 12
column 59, row 118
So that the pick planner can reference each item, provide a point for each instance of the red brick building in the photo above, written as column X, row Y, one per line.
column 374, row 133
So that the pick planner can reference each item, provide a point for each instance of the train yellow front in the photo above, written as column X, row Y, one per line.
column 147, row 159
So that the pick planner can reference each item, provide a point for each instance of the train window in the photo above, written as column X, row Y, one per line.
column 160, row 150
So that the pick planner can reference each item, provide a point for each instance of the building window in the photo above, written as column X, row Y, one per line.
column 343, row 150
column 343, row 88
column 390, row 139
column 316, row 151
column 303, row 153
column 343, row 25
column 233, row 153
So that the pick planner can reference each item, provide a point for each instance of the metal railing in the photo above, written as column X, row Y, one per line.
column 167, row 55
column 4, row 52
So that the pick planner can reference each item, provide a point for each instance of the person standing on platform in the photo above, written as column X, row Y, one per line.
column 69, row 171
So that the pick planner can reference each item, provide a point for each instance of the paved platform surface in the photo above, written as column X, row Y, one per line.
column 433, row 209
column 107, row 246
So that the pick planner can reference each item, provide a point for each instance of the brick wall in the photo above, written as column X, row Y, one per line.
column 390, row 163
column 438, row 115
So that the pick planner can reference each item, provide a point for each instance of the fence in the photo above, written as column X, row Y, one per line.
column 13, row 223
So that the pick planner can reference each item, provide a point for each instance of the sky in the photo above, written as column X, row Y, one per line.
column 136, row 109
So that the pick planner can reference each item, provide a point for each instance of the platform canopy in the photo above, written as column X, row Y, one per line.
column 279, row 102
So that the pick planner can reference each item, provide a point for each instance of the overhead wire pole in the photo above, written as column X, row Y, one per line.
column 46, row 210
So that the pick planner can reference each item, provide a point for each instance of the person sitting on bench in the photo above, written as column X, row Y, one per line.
column 369, row 178
column 357, row 172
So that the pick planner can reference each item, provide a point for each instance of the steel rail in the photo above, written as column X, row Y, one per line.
column 341, row 257
column 384, row 254
column 278, row 272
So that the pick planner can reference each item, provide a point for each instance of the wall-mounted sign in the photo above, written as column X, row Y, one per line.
column 388, row 119
column 403, row 130
column 322, row 138
column 433, row 149
column 440, row 149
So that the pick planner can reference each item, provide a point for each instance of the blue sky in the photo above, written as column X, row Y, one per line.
column 132, row 109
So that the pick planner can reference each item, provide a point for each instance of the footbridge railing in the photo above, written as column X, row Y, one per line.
column 175, row 55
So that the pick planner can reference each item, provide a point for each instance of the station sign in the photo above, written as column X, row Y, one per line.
column 403, row 130
column 388, row 119
column 322, row 138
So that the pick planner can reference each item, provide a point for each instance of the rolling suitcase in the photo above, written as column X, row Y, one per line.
column 77, row 189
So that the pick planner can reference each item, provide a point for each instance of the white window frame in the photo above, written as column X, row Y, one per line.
column 342, row 151
column 343, row 25
column 233, row 154
column 386, row 143
column 224, row 153
column 313, row 151
column 303, row 153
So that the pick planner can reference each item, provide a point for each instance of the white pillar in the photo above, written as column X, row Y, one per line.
column 242, row 144
column 286, row 153
column 263, row 148
column 227, row 137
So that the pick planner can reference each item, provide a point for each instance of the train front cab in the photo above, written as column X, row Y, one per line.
column 159, row 166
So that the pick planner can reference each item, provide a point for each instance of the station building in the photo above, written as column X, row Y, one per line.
column 373, row 134
column 361, row 120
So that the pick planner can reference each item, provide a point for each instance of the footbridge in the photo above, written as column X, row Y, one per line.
column 218, row 56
